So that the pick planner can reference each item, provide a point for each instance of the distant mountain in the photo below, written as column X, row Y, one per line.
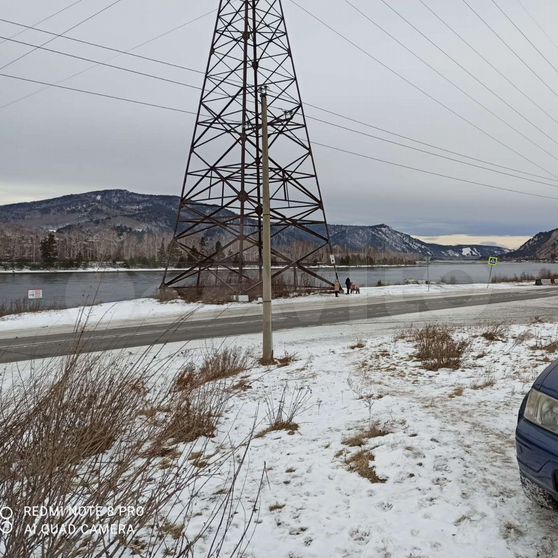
column 121, row 212
column 92, row 211
column 384, row 238
column 543, row 246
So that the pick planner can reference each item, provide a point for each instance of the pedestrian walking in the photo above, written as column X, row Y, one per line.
column 348, row 285
column 337, row 287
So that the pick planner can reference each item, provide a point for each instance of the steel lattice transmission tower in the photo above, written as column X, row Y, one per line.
column 219, row 225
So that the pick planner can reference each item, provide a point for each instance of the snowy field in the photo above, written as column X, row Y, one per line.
column 447, row 482
column 144, row 309
column 386, row 458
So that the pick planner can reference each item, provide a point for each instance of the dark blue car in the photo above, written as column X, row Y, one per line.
column 536, row 439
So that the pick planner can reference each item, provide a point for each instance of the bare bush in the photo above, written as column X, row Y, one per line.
column 280, row 287
column 285, row 360
column 360, row 439
column 166, row 294
column 486, row 383
column 205, row 294
column 20, row 306
column 217, row 295
column 545, row 343
column 217, row 364
column 103, row 433
column 193, row 413
column 281, row 414
column 495, row 331
column 437, row 348
column 544, row 273
column 223, row 363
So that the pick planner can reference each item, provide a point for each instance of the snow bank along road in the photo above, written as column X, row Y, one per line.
column 25, row 344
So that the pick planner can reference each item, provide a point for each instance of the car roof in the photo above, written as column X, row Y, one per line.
column 547, row 382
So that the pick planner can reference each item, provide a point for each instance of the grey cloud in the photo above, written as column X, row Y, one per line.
column 57, row 142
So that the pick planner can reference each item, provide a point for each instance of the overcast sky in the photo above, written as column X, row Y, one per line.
column 56, row 142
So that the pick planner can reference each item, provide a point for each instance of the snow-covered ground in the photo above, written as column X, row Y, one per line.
column 444, row 454
column 450, row 485
column 143, row 309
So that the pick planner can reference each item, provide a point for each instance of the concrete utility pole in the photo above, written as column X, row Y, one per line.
column 267, row 354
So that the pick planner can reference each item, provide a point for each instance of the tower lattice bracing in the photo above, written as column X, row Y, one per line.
column 219, row 228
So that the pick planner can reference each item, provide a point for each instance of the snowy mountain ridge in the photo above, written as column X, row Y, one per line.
column 125, row 212
column 543, row 246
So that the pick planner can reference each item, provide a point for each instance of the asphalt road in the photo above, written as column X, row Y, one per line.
column 26, row 347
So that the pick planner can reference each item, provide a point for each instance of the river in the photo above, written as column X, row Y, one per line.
column 72, row 288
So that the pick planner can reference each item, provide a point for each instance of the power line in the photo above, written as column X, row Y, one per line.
column 537, row 23
column 429, row 152
column 451, row 82
column 524, row 36
column 98, row 62
column 139, row 45
column 434, row 173
column 174, row 109
column 60, row 34
column 500, row 73
column 123, row 52
column 308, row 104
column 435, row 45
column 356, row 121
column 310, row 117
column 502, row 40
column 97, row 94
column 424, row 92
column 46, row 18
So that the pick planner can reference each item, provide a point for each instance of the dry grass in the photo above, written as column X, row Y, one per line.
column 457, row 392
column 437, row 348
column 544, row 273
column 289, row 426
column 193, row 413
column 358, row 344
column 286, row 360
column 494, row 332
column 360, row 463
column 489, row 382
column 223, row 363
column 216, row 295
column 207, row 295
column 281, row 413
column 217, row 364
column 242, row 385
column 165, row 294
column 360, row 439
column 197, row 401
column 25, row 305
column 276, row 507
column 551, row 347
column 280, row 288
column 104, row 429
column 544, row 344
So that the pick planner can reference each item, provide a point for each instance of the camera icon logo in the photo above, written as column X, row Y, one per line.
column 6, row 520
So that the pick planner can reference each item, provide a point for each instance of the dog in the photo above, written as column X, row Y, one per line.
column 355, row 288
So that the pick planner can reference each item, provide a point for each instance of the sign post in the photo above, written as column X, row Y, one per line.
column 428, row 272
column 492, row 263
